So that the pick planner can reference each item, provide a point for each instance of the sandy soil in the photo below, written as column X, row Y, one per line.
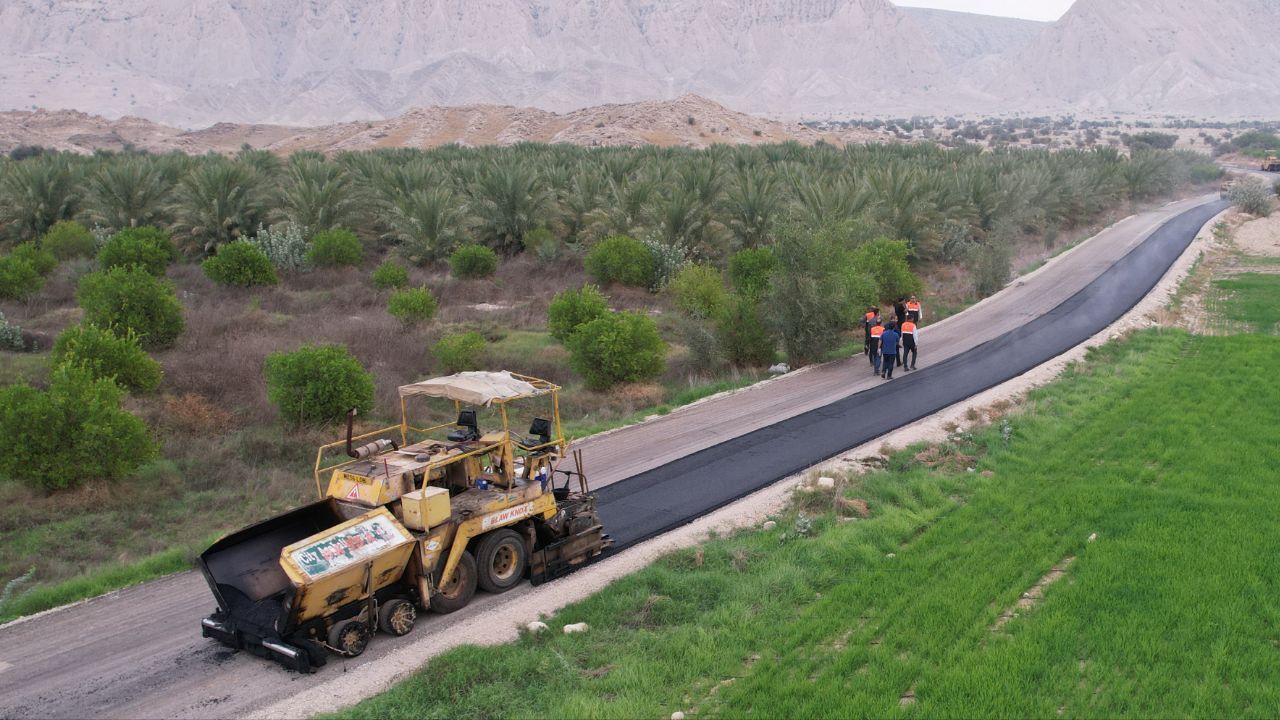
column 1259, row 237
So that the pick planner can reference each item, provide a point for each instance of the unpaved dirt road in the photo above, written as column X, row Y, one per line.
column 138, row 653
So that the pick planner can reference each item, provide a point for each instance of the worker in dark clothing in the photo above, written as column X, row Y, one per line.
column 915, row 313
column 910, row 336
column 889, row 350
column 900, row 311
column 868, row 321
column 876, row 331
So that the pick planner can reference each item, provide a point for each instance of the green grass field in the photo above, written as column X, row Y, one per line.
column 1157, row 445
column 1251, row 301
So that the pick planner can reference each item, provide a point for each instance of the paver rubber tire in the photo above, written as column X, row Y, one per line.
column 349, row 637
column 396, row 617
column 502, row 559
column 457, row 591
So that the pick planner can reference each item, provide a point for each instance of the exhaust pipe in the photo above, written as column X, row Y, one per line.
column 351, row 420
column 369, row 450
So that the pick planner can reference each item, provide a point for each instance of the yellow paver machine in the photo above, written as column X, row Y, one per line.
column 412, row 518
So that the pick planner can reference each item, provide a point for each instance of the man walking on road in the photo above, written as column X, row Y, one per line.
column 874, row 345
column 868, row 321
column 900, row 310
column 914, row 312
column 889, row 350
column 910, row 333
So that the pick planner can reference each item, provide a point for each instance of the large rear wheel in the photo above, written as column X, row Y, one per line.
column 502, row 559
column 456, row 591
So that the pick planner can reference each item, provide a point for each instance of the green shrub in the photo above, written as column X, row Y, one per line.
column 285, row 245
column 617, row 348
column 572, row 309
column 335, row 247
column 1276, row 187
column 147, row 247
column 68, row 239
column 318, row 383
column 130, row 299
column 623, row 260
column 546, row 246
column 412, row 305
column 462, row 351
column 473, row 261
column 240, row 264
column 669, row 258
column 1252, row 197
column 743, row 336
column 41, row 259
column 10, row 336
column 750, row 270
column 1205, row 172
column 886, row 261
column 698, row 290
column 805, row 302
column 390, row 275
column 699, row 337
column 18, row 279
column 107, row 355
column 70, row 433
column 991, row 265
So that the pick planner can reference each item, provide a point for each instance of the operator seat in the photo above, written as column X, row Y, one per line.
column 468, row 427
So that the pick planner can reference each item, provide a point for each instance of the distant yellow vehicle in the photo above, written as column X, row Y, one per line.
column 414, row 518
column 1271, row 164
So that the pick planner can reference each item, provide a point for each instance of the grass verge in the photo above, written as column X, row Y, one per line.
column 103, row 580
column 1152, row 446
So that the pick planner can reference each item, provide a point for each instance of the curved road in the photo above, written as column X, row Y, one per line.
column 137, row 653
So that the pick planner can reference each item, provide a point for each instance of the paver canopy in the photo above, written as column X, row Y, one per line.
column 473, row 388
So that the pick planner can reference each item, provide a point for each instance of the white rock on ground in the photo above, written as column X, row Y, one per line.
column 826, row 482
column 677, row 715
column 769, row 525
column 1093, row 536
column 575, row 628
column 536, row 627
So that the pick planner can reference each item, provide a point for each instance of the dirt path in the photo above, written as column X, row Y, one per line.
column 137, row 653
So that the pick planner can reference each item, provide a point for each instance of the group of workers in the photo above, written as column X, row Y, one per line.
column 893, row 343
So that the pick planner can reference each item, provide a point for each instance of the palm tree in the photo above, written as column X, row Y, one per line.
column 904, row 206
column 218, row 202
column 128, row 192
column 826, row 200
column 678, row 218
column 627, row 203
column 428, row 221
column 319, row 195
column 753, row 205
column 38, row 192
column 510, row 201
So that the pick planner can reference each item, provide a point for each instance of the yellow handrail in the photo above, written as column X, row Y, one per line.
column 342, row 443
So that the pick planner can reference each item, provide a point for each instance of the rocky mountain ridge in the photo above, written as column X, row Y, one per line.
column 688, row 121
column 314, row 62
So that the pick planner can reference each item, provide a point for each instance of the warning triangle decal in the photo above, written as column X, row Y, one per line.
column 354, row 494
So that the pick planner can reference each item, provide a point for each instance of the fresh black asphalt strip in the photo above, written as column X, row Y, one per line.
column 653, row 502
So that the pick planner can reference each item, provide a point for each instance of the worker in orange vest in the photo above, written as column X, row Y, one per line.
column 877, row 330
column 914, row 312
column 910, row 336
column 869, row 321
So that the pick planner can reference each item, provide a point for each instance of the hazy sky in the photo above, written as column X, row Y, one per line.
column 1029, row 9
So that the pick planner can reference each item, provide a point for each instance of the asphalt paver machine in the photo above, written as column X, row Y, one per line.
column 411, row 518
